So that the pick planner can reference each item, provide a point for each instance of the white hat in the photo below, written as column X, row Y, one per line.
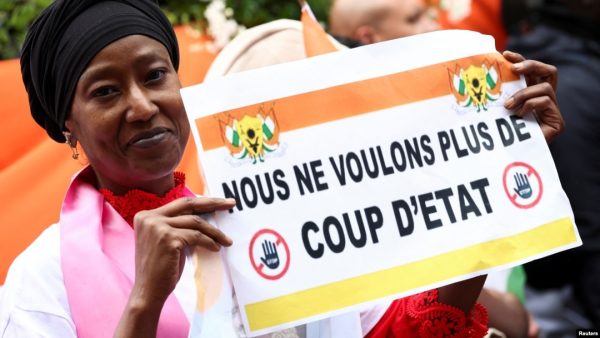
column 263, row 45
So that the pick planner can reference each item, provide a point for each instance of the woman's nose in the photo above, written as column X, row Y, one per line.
column 140, row 105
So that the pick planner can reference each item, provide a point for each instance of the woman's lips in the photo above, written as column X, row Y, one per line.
column 148, row 138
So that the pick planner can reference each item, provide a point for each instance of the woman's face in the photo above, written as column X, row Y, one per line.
column 128, row 116
column 405, row 18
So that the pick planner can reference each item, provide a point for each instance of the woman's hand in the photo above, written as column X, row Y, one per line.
column 162, row 237
column 540, row 95
column 164, row 233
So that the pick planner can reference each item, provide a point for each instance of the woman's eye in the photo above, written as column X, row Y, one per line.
column 104, row 91
column 415, row 17
column 155, row 75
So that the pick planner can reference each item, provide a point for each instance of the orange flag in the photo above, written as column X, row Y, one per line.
column 316, row 41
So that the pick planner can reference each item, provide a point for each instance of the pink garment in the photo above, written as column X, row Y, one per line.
column 98, row 263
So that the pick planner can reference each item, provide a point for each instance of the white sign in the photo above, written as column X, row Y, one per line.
column 373, row 174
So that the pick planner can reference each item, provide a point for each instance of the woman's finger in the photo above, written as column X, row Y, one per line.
column 195, row 205
column 199, row 224
column 537, row 105
column 189, row 238
column 535, row 72
column 520, row 97
column 512, row 56
column 547, row 114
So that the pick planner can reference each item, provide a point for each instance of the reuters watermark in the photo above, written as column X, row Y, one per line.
column 587, row 333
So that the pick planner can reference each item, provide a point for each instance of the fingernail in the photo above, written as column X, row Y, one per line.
column 509, row 103
column 517, row 66
column 230, row 200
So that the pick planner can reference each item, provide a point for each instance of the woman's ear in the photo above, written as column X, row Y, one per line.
column 71, row 141
column 365, row 34
column 71, row 138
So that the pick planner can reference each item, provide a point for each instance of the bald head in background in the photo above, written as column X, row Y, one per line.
column 370, row 21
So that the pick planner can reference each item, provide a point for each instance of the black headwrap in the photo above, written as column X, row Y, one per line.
column 65, row 38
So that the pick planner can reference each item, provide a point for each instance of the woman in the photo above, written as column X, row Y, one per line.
column 102, row 75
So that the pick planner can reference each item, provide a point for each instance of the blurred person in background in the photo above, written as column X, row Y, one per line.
column 366, row 22
column 564, row 289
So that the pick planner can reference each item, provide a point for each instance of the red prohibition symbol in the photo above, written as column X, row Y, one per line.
column 523, row 185
column 269, row 254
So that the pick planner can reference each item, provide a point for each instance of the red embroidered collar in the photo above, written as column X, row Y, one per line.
column 137, row 200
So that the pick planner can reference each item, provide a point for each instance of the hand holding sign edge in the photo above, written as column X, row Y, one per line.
column 540, row 95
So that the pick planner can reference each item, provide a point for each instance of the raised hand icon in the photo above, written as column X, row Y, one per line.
column 523, row 188
column 271, row 258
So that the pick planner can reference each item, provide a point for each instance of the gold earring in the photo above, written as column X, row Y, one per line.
column 69, row 142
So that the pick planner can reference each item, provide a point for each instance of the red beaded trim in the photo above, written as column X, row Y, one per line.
column 442, row 320
column 136, row 200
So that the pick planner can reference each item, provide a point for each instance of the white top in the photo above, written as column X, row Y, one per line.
column 34, row 302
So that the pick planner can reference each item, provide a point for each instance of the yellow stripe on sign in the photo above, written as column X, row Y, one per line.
column 326, row 298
